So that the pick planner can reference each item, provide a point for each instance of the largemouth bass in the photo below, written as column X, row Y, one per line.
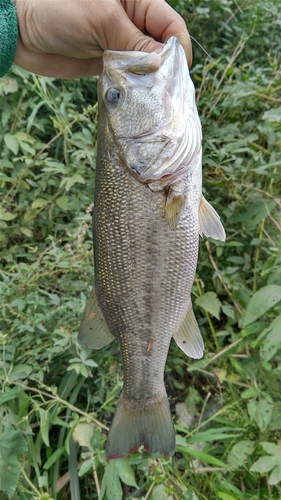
column 148, row 214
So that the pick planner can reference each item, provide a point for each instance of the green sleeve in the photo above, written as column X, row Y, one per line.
column 8, row 35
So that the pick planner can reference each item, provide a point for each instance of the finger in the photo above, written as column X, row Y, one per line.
column 160, row 21
column 56, row 65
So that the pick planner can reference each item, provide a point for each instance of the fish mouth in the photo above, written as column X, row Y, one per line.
column 163, row 151
column 166, row 63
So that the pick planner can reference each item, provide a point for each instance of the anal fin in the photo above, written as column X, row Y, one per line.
column 209, row 221
column 188, row 336
column 93, row 331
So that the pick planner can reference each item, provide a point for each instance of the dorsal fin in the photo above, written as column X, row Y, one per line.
column 93, row 331
column 209, row 221
column 188, row 336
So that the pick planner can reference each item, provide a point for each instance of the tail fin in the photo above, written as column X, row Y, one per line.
column 133, row 426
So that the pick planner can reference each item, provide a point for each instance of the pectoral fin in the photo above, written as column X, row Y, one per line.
column 188, row 336
column 209, row 221
column 93, row 331
column 174, row 204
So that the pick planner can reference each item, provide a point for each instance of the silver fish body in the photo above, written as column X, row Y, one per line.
column 148, row 214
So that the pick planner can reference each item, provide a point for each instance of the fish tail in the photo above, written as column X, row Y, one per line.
column 134, row 426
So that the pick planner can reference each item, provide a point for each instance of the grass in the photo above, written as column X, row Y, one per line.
column 57, row 399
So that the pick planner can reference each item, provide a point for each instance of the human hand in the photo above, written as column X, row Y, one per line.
column 66, row 38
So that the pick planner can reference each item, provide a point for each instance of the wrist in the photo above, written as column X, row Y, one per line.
column 9, row 35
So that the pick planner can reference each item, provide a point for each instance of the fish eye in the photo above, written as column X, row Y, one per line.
column 113, row 95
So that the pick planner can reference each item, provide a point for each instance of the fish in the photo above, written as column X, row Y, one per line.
column 148, row 214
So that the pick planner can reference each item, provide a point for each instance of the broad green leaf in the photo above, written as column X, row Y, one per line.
column 262, row 301
column 260, row 410
column 210, row 302
column 275, row 476
column 5, row 215
column 265, row 464
column 272, row 342
column 8, row 395
column 62, row 202
column 272, row 115
column 26, row 231
column 39, row 203
column 240, row 452
column 83, row 434
column 86, row 466
column 110, row 483
column 159, row 493
column 12, row 446
column 71, row 181
column 271, row 448
column 20, row 372
column 270, row 462
column 126, row 472
column 12, row 143
column 252, row 392
column 190, row 495
column 8, row 85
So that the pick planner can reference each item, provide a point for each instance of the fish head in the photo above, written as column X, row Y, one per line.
column 148, row 103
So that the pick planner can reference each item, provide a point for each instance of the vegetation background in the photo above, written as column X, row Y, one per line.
column 57, row 399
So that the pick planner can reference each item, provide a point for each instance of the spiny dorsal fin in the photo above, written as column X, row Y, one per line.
column 209, row 221
column 93, row 331
column 188, row 336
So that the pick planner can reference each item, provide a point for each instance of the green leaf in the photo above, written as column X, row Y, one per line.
column 264, row 464
column 12, row 446
column 272, row 342
column 200, row 455
column 270, row 462
column 159, row 493
column 190, row 495
column 110, row 483
column 252, row 392
column 83, row 434
column 8, row 395
column 271, row 448
column 71, row 181
column 54, row 457
column 239, row 453
column 275, row 476
column 210, row 303
column 39, row 203
column 225, row 496
column 126, row 472
column 260, row 410
column 262, row 301
column 12, row 143
column 86, row 466
column 272, row 115
column 62, row 202
column 5, row 215
column 44, row 425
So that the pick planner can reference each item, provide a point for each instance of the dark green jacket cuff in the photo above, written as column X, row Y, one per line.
column 8, row 35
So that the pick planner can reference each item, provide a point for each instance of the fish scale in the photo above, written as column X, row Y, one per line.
column 146, row 223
